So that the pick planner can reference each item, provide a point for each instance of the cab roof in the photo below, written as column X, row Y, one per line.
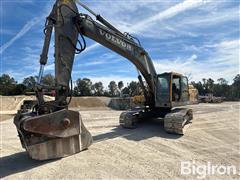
column 170, row 73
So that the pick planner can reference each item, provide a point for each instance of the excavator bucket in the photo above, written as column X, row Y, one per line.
column 55, row 135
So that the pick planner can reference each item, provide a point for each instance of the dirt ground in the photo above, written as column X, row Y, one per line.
column 143, row 153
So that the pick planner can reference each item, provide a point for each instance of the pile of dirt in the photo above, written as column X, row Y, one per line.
column 89, row 102
column 10, row 104
column 4, row 117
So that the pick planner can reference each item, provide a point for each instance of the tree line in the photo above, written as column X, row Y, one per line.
column 81, row 87
column 85, row 87
column 220, row 88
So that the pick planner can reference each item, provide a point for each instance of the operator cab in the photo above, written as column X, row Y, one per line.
column 172, row 90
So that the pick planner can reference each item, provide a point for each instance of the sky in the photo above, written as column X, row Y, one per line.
column 198, row 38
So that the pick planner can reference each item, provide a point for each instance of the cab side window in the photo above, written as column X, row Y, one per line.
column 184, row 83
column 176, row 88
column 185, row 93
column 163, row 85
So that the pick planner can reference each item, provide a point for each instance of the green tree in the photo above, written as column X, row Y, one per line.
column 134, row 88
column 221, row 88
column 236, row 87
column 112, row 88
column 199, row 86
column 106, row 93
column 83, row 87
column 29, row 82
column 222, row 81
column 5, row 79
column 207, row 85
column 210, row 85
column 126, row 91
column 7, row 85
column 19, row 89
column 204, row 84
column 48, row 80
column 120, row 86
column 236, row 81
column 98, row 89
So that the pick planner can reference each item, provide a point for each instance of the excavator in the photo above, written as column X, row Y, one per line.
column 48, row 129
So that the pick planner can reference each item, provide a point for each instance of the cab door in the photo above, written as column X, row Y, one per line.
column 162, row 96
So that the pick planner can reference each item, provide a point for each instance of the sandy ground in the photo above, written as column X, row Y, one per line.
column 146, row 152
column 4, row 117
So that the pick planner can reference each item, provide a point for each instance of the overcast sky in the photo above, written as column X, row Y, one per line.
column 194, row 37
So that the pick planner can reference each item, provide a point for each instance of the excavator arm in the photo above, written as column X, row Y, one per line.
column 121, row 44
column 68, row 23
column 49, row 130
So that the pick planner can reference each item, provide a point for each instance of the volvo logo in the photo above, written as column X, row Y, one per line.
column 115, row 40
